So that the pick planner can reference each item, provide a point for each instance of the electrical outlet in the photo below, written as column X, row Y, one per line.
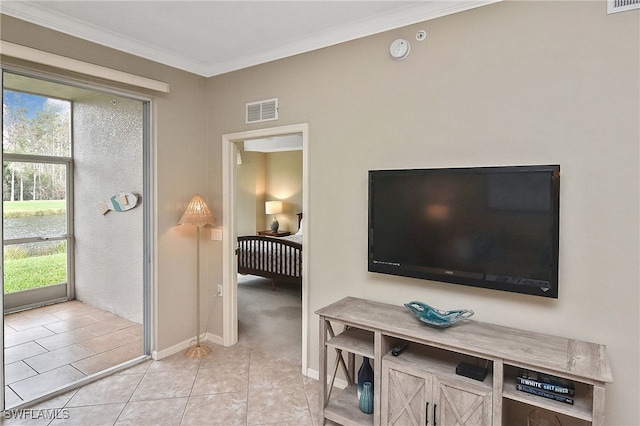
column 219, row 289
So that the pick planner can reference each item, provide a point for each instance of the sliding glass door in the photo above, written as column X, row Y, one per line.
column 37, row 218
column 69, row 148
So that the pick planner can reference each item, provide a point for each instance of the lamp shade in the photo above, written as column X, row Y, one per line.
column 273, row 207
column 197, row 213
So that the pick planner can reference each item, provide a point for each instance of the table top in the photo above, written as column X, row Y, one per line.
column 559, row 354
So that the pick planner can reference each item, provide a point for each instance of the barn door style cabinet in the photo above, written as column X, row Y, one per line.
column 419, row 390
column 420, row 385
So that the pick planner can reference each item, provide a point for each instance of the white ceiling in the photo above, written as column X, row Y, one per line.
column 213, row 37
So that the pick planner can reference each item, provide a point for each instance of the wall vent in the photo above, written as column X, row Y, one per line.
column 614, row 6
column 262, row 111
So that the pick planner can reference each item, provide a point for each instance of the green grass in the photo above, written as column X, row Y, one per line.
column 25, row 269
column 33, row 208
column 33, row 272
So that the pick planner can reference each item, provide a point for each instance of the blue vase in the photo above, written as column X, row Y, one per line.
column 366, row 398
column 365, row 374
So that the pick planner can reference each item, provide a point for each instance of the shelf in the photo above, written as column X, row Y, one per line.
column 343, row 409
column 581, row 409
column 437, row 361
column 354, row 340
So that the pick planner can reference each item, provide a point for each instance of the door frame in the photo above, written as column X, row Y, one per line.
column 149, row 208
column 229, row 208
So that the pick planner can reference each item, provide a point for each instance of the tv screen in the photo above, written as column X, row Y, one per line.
column 491, row 227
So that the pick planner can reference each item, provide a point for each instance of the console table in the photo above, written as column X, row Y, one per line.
column 420, row 385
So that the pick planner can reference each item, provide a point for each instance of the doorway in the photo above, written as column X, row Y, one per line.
column 69, row 305
column 230, row 299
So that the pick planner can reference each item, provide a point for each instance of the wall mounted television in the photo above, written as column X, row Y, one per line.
column 491, row 227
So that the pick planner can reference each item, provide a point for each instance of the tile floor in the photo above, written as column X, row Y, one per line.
column 48, row 347
column 231, row 386
column 58, row 344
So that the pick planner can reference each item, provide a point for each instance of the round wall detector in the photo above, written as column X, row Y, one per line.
column 421, row 35
column 399, row 49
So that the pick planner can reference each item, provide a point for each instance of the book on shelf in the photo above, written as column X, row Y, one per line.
column 549, row 387
column 546, row 394
column 546, row 382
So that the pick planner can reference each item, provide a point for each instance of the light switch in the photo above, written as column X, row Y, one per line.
column 216, row 233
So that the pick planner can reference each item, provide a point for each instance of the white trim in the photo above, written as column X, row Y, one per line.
column 229, row 273
column 57, row 61
column 184, row 345
column 315, row 374
column 214, row 65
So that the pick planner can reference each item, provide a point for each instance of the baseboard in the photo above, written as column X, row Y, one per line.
column 215, row 339
column 184, row 345
column 315, row 374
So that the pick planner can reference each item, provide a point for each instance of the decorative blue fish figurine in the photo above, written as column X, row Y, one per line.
column 436, row 317
column 120, row 202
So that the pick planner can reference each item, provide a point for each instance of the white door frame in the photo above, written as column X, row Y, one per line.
column 229, row 206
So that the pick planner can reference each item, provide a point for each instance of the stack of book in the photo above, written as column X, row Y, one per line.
column 546, row 386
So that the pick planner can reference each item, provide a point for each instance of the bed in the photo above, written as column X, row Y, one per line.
column 276, row 258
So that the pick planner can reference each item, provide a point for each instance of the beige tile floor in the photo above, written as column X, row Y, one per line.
column 52, row 346
column 58, row 344
column 231, row 386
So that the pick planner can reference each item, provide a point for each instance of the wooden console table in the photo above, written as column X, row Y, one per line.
column 420, row 383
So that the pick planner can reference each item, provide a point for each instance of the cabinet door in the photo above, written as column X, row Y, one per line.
column 461, row 403
column 404, row 397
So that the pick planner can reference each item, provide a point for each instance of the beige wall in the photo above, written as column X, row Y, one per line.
column 264, row 177
column 250, row 193
column 510, row 83
column 182, row 159
column 284, row 182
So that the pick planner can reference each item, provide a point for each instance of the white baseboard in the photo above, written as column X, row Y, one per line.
column 172, row 350
column 315, row 374
column 215, row 339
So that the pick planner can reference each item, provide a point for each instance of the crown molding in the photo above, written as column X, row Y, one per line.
column 374, row 25
column 411, row 14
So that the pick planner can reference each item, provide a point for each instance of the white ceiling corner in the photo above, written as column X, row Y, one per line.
column 214, row 37
column 275, row 144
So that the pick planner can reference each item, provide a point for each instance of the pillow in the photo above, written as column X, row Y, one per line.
column 300, row 228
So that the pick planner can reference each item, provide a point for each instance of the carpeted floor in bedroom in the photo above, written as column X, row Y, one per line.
column 270, row 321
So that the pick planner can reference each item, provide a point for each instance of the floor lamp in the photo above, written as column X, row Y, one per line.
column 198, row 214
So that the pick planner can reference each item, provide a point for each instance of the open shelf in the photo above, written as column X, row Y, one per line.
column 440, row 362
column 355, row 341
column 582, row 407
column 344, row 409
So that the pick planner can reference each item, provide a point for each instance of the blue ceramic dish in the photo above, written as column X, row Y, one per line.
column 435, row 317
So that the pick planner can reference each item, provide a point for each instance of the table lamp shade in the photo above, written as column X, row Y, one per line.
column 197, row 213
column 273, row 207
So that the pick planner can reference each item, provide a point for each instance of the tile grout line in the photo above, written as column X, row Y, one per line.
column 132, row 393
column 184, row 411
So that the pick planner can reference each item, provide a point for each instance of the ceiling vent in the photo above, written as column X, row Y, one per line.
column 614, row 6
column 262, row 111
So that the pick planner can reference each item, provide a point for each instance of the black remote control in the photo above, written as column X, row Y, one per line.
column 397, row 350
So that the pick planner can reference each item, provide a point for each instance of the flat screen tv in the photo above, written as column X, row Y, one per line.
column 491, row 227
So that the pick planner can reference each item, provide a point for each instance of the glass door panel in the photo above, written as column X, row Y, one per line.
column 35, row 233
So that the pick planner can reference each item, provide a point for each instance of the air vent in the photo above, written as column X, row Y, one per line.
column 614, row 6
column 262, row 111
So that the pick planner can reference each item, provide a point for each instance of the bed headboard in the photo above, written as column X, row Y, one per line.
column 299, row 219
